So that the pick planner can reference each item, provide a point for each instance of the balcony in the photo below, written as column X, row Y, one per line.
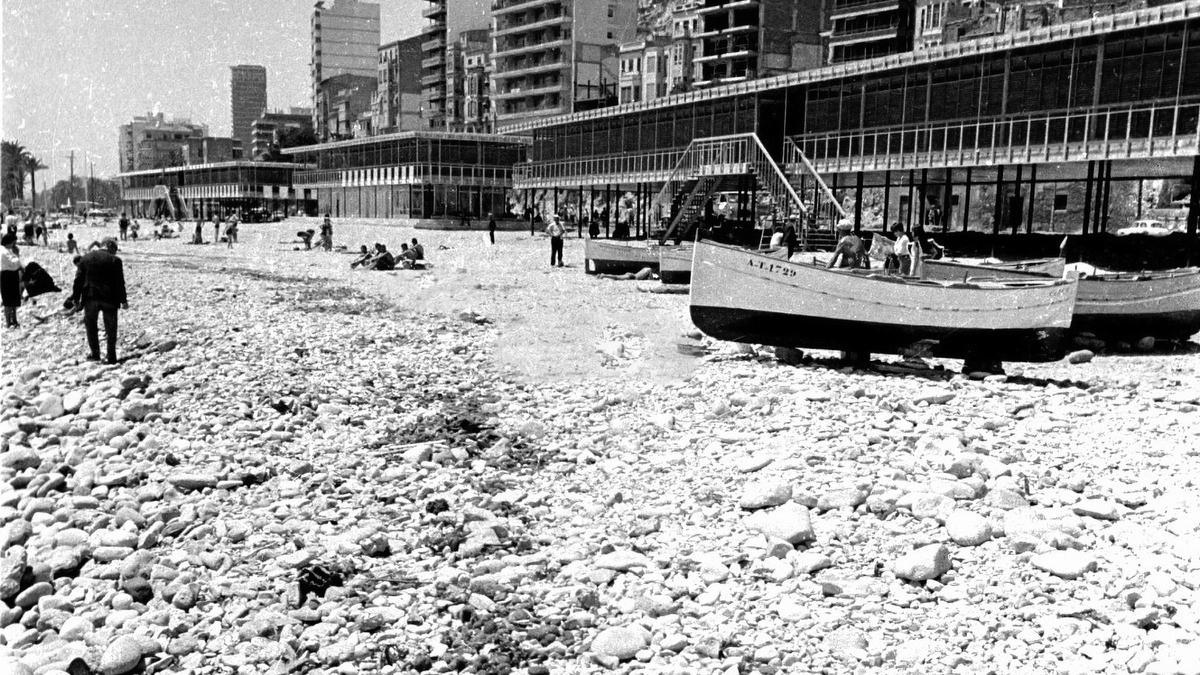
column 528, row 92
column 714, row 6
column 521, row 70
column 434, row 61
column 438, row 9
column 504, row 7
column 432, row 79
column 438, row 43
column 863, row 35
column 522, row 47
column 517, row 28
column 850, row 8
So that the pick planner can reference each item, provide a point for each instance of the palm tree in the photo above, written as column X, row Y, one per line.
column 12, row 156
column 33, row 165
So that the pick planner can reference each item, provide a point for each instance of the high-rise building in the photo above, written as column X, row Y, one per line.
column 345, row 41
column 397, row 102
column 557, row 56
column 266, row 129
column 447, row 22
column 748, row 39
column 153, row 142
column 247, row 99
column 863, row 29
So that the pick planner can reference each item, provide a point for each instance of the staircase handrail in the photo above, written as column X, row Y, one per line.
column 792, row 150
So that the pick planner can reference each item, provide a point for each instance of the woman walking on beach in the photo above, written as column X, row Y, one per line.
column 10, row 279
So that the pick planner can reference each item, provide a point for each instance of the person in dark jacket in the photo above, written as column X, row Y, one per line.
column 100, row 288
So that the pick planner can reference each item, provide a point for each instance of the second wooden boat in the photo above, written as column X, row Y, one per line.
column 743, row 296
column 608, row 256
column 1121, row 305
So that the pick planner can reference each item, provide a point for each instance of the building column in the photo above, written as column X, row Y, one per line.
column 1087, row 194
column 923, row 194
column 998, row 213
column 1193, row 217
column 1018, row 198
column 858, row 200
column 887, row 198
column 608, row 210
column 966, row 200
column 1107, row 195
column 1032, row 196
column 948, row 200
column 912, row 181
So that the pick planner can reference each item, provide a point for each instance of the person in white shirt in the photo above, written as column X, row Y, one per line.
column 10, row 279
column 902, row 249
column 556, row 232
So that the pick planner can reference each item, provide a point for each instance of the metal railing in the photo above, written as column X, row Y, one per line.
column 1118, row 132
column 614, row 168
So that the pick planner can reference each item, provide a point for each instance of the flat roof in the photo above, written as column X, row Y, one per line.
column 216, row 165
column 405, row 135
column 1177, row 11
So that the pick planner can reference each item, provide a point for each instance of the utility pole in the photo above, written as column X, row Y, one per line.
column 71, row 184
column 91, row 177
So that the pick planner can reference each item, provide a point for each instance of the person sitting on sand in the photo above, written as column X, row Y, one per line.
column 383, row 260
column 408, row 257
column 850, row 252
column 364, row 255
column 418, row 250
column 72, row 245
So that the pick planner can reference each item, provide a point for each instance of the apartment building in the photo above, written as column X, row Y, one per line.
column 396, row 105
column 557, row 56
column 468, row 68
column 863, row 29
column 645, row 69
column 748, row 39
column 447, row 21
column 152, row 141
column 944, row 21
column 266, row 129
column 683, row 70
column 345, row 42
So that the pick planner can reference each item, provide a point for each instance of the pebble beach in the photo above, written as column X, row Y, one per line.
column 495, row 466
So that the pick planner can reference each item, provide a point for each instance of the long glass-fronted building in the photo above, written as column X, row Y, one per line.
column 415, row 175
column 220, row 188
column 1067, row 128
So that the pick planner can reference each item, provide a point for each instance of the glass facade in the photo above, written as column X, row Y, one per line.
column 418, row 175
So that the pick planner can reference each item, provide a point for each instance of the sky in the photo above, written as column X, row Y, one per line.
column 75, row 70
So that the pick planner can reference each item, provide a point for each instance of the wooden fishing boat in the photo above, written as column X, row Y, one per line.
column 955, row 270
column 675, row 264
column 1162, row 304
column 1124, row 305
column 744, row 296
column 609, row 256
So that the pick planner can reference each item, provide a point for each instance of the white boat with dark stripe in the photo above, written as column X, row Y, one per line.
column 615, row 256
column 1132, row 305
column 743, row 296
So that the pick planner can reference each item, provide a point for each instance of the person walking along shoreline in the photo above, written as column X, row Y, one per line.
column 100, row 288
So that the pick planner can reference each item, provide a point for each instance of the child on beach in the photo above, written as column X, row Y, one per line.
column 72, row 246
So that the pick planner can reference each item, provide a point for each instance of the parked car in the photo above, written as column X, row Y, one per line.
column 1150, row 228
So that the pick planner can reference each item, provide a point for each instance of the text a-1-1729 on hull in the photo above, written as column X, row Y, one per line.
column 742, row 296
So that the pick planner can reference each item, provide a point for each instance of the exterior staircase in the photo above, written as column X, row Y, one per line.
column 706, row 166
column 710, row 164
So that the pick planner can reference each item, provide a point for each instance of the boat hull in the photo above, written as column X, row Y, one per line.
column 618, row 257
column 746, row 297
column 1127, row 306
column 1158, row 304
column 675, row 264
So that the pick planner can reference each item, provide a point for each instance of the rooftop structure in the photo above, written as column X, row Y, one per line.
column 862, row 29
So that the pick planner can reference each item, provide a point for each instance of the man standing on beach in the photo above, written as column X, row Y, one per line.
column 100, row 288
column 123, row 226
column 556, row 232
column 492, row 228
column 216, row 221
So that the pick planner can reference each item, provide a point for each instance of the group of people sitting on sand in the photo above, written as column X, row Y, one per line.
column 381, row 259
